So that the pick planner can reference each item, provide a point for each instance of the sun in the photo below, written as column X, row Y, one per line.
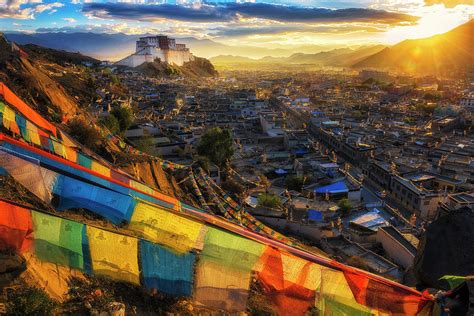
column 433, row 20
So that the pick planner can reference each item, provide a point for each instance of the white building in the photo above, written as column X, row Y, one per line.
column 163, row 48
column 468, row 102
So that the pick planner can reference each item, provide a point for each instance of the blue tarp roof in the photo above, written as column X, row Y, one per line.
column 280, row 171
column 371, row 219
column 338, row 187
column 315, row 215
column 300, row 151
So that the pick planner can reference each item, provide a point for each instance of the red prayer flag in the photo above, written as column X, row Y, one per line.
column 380, row 295
column 290, row 298
column 16, row 228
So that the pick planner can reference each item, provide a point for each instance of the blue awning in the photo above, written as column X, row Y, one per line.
column 314, row 215
column 338, row 187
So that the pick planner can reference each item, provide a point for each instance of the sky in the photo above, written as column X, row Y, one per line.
column 273, row 24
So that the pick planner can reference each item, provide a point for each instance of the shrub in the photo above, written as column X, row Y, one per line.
column 345, row 205
column 295, row 182
column 84, row 133
column 29, row 300
column 124, row 117
column 145, row 144
column 111, row 123
column 268, row 200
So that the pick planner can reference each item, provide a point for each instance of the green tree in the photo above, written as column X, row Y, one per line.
column 345, row 205
column 145, row 144
column 217, row 145
column 268, row 200
column 111, row 123
column 124, row 117
column 204, row 163
column 295, row 183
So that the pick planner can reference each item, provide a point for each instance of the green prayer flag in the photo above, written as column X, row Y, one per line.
column 58, row 240
column 453, row 280
column 339, row 308
column 231, row 250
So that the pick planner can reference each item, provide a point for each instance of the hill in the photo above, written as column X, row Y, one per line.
column 198, row 68
column 438, row 54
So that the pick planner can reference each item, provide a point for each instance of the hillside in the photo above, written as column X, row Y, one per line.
column 60, row 57
column 438, row 54
column 198, row 68
column 340, row 57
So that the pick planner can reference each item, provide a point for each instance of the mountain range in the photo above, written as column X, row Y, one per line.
column 450, row 53
column 339, row 57
column 442, row 53
column 115, row 46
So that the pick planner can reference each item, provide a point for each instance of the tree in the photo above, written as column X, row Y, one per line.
column 345, row 205
column 268, row 200
column 124, row 117
column 203, row 162
column 111, row 123
column 145, row 144
column 217, row 145
column 294, row 183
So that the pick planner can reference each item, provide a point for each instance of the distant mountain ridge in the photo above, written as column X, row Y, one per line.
column 442, row 53
column 116, row 46
column 339, row 57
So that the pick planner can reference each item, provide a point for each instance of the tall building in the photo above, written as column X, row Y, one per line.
column 162, row 48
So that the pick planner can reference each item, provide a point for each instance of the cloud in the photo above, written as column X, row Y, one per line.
column 282, row 29
column 70, row 20
column 449, row 3
column 17, row 9
column 226, row 12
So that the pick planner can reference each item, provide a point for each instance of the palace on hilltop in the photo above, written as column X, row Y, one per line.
column 163, row 48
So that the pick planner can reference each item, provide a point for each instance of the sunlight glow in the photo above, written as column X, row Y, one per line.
column 433, row 20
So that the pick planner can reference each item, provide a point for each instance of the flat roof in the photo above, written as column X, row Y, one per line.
column 392, row 231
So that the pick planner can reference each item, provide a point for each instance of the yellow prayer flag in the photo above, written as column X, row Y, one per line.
column 59, row 148
column 33, row 133
column 221, row 287
column 99, row 168
column 141, row 187
column 163, row 227
column 113, row 255
column 8, row 117
column 71, row 154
